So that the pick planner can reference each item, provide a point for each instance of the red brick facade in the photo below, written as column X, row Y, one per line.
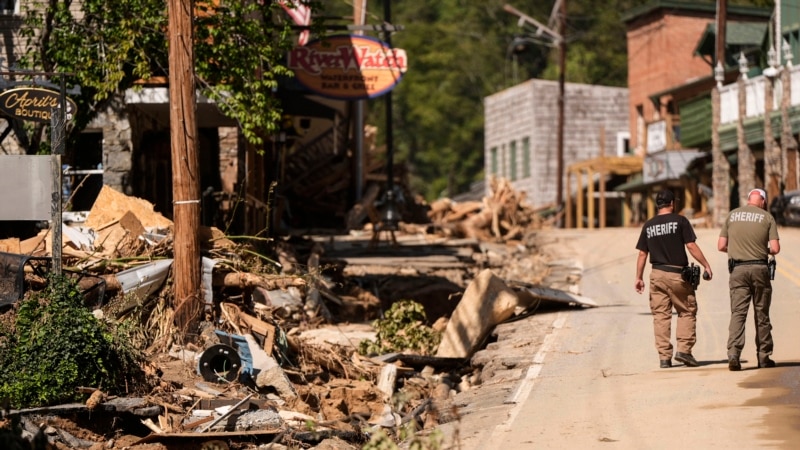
column 661, row 55
column 661, row 39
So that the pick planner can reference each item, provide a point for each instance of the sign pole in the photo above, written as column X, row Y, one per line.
column 58, row 125
column 55, row 207
column 390, row 218
column 24, row 101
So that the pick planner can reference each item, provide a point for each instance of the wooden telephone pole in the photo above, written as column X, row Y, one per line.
column 559, row 38
column 720, row 171
column 562, row 70
column 185, row 165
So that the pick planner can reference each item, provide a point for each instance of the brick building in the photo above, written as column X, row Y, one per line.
column 671, row 56
column 662, row 38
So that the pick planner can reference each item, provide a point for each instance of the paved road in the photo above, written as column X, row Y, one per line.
column 596, row 382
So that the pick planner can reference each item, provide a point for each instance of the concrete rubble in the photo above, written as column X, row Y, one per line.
column 277, row 358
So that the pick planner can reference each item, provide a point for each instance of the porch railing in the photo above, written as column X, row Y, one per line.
column 729, row 96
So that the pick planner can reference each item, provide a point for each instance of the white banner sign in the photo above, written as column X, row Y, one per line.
column 25, row 187
column 656, row 136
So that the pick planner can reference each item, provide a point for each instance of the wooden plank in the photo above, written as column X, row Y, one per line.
column 173, row 437
column 255, row 324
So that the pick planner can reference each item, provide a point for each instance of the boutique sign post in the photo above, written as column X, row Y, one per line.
column 28, row 102
column 348, row 67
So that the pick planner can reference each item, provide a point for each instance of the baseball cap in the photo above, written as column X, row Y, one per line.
column 760, row 192
column 664, row 198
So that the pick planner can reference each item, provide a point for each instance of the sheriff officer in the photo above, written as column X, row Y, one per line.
column 664, row 237
column 749, row 235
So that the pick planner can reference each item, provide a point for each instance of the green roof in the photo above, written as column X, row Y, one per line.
column 636, row 182
column 738, row 36
column 696, row 6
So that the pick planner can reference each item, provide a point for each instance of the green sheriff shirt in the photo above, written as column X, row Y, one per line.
column 749, row 230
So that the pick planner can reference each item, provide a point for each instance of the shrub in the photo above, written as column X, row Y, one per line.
column 57, row 345
column 402, row 328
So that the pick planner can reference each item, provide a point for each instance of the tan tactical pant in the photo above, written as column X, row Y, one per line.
column 668, row 291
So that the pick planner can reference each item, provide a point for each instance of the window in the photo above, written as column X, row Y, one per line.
column 640, row 127
column 9, row 7
column 512, row 169
column 502, row 172
column 624, row 143
column 493, row 156
column 526, row 157
column 84, row 177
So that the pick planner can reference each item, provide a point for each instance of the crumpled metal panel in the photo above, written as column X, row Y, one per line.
column 12, row 275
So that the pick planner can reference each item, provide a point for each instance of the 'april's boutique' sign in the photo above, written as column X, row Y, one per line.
column 33, row 103
column 348, row 67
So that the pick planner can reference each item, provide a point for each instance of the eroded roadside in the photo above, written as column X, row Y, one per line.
column 509, row 364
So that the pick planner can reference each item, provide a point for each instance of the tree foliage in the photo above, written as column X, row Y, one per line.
column 239, row 51
column 460, row 52
column 402, row 329
column 103, row 50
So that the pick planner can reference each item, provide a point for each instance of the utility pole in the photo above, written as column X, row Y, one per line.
column 720, row 171
column 561, row 43
column 722, row 25
column 359, row 18
column 562, row 68
column 185, row 165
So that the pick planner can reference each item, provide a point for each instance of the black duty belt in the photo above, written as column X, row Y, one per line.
column 752, row 262
column 664, row 268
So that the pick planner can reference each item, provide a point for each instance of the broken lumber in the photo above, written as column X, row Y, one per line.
column 387, row 380
column 486, row 302
column 250, row 280
column 254, row 324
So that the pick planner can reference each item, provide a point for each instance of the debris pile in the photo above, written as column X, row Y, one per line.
column 276, row 358
column 503, row 216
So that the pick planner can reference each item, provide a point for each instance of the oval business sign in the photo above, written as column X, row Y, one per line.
column 33, row 103
column 348, row 67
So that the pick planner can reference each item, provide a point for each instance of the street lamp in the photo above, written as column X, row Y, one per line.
column 522, row 44
column 558, row 38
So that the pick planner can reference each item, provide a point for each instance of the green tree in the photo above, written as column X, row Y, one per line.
column 103, row 50
column 239, row 50
column 456, row 57
column 460, row 52
column 57, row 345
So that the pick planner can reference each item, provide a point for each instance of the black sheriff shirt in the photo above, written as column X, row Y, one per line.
column 665, row 237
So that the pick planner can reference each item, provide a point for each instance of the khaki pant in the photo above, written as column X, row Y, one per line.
column 668, row 291
column 750, row 283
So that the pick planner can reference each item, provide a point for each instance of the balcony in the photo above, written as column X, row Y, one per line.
column 729, row 97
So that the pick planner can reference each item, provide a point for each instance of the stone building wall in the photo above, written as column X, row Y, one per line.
column 529, row 111
column 115, row 126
